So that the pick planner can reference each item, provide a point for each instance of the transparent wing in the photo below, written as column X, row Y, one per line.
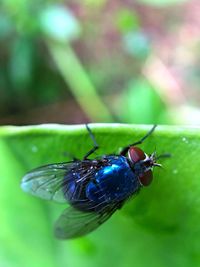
column 48, row 182
column 73, row 223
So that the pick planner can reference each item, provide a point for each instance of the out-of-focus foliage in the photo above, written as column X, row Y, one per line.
column 161, row 3
column 83, row 57
column 25, row 71
column 65, row 26
column 147, row 105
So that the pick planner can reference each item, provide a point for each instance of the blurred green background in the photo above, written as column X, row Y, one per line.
column 78, row 61
column 101, row 61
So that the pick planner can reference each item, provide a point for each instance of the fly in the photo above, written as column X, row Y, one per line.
column 93, row 188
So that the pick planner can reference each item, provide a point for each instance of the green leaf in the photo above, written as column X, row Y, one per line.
column 159, row 227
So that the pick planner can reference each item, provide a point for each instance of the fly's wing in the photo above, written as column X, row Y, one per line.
column 73, row 223
column 48, row 182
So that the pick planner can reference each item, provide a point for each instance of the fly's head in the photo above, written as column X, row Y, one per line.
column 142, row 164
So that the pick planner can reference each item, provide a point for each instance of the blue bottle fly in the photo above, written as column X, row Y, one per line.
column 93, row 188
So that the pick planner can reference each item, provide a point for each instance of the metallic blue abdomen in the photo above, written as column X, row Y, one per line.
column 114, row 182
column 108, row 180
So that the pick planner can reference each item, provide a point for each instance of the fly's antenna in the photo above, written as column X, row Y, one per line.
column 165, row 155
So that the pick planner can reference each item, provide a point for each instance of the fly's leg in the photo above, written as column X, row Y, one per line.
column 96, row 146
column 125, row 149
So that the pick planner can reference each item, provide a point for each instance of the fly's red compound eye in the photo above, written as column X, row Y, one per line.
column 136, row 154
column 146, row 178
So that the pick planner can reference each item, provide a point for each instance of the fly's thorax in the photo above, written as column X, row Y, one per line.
column 114, row 182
